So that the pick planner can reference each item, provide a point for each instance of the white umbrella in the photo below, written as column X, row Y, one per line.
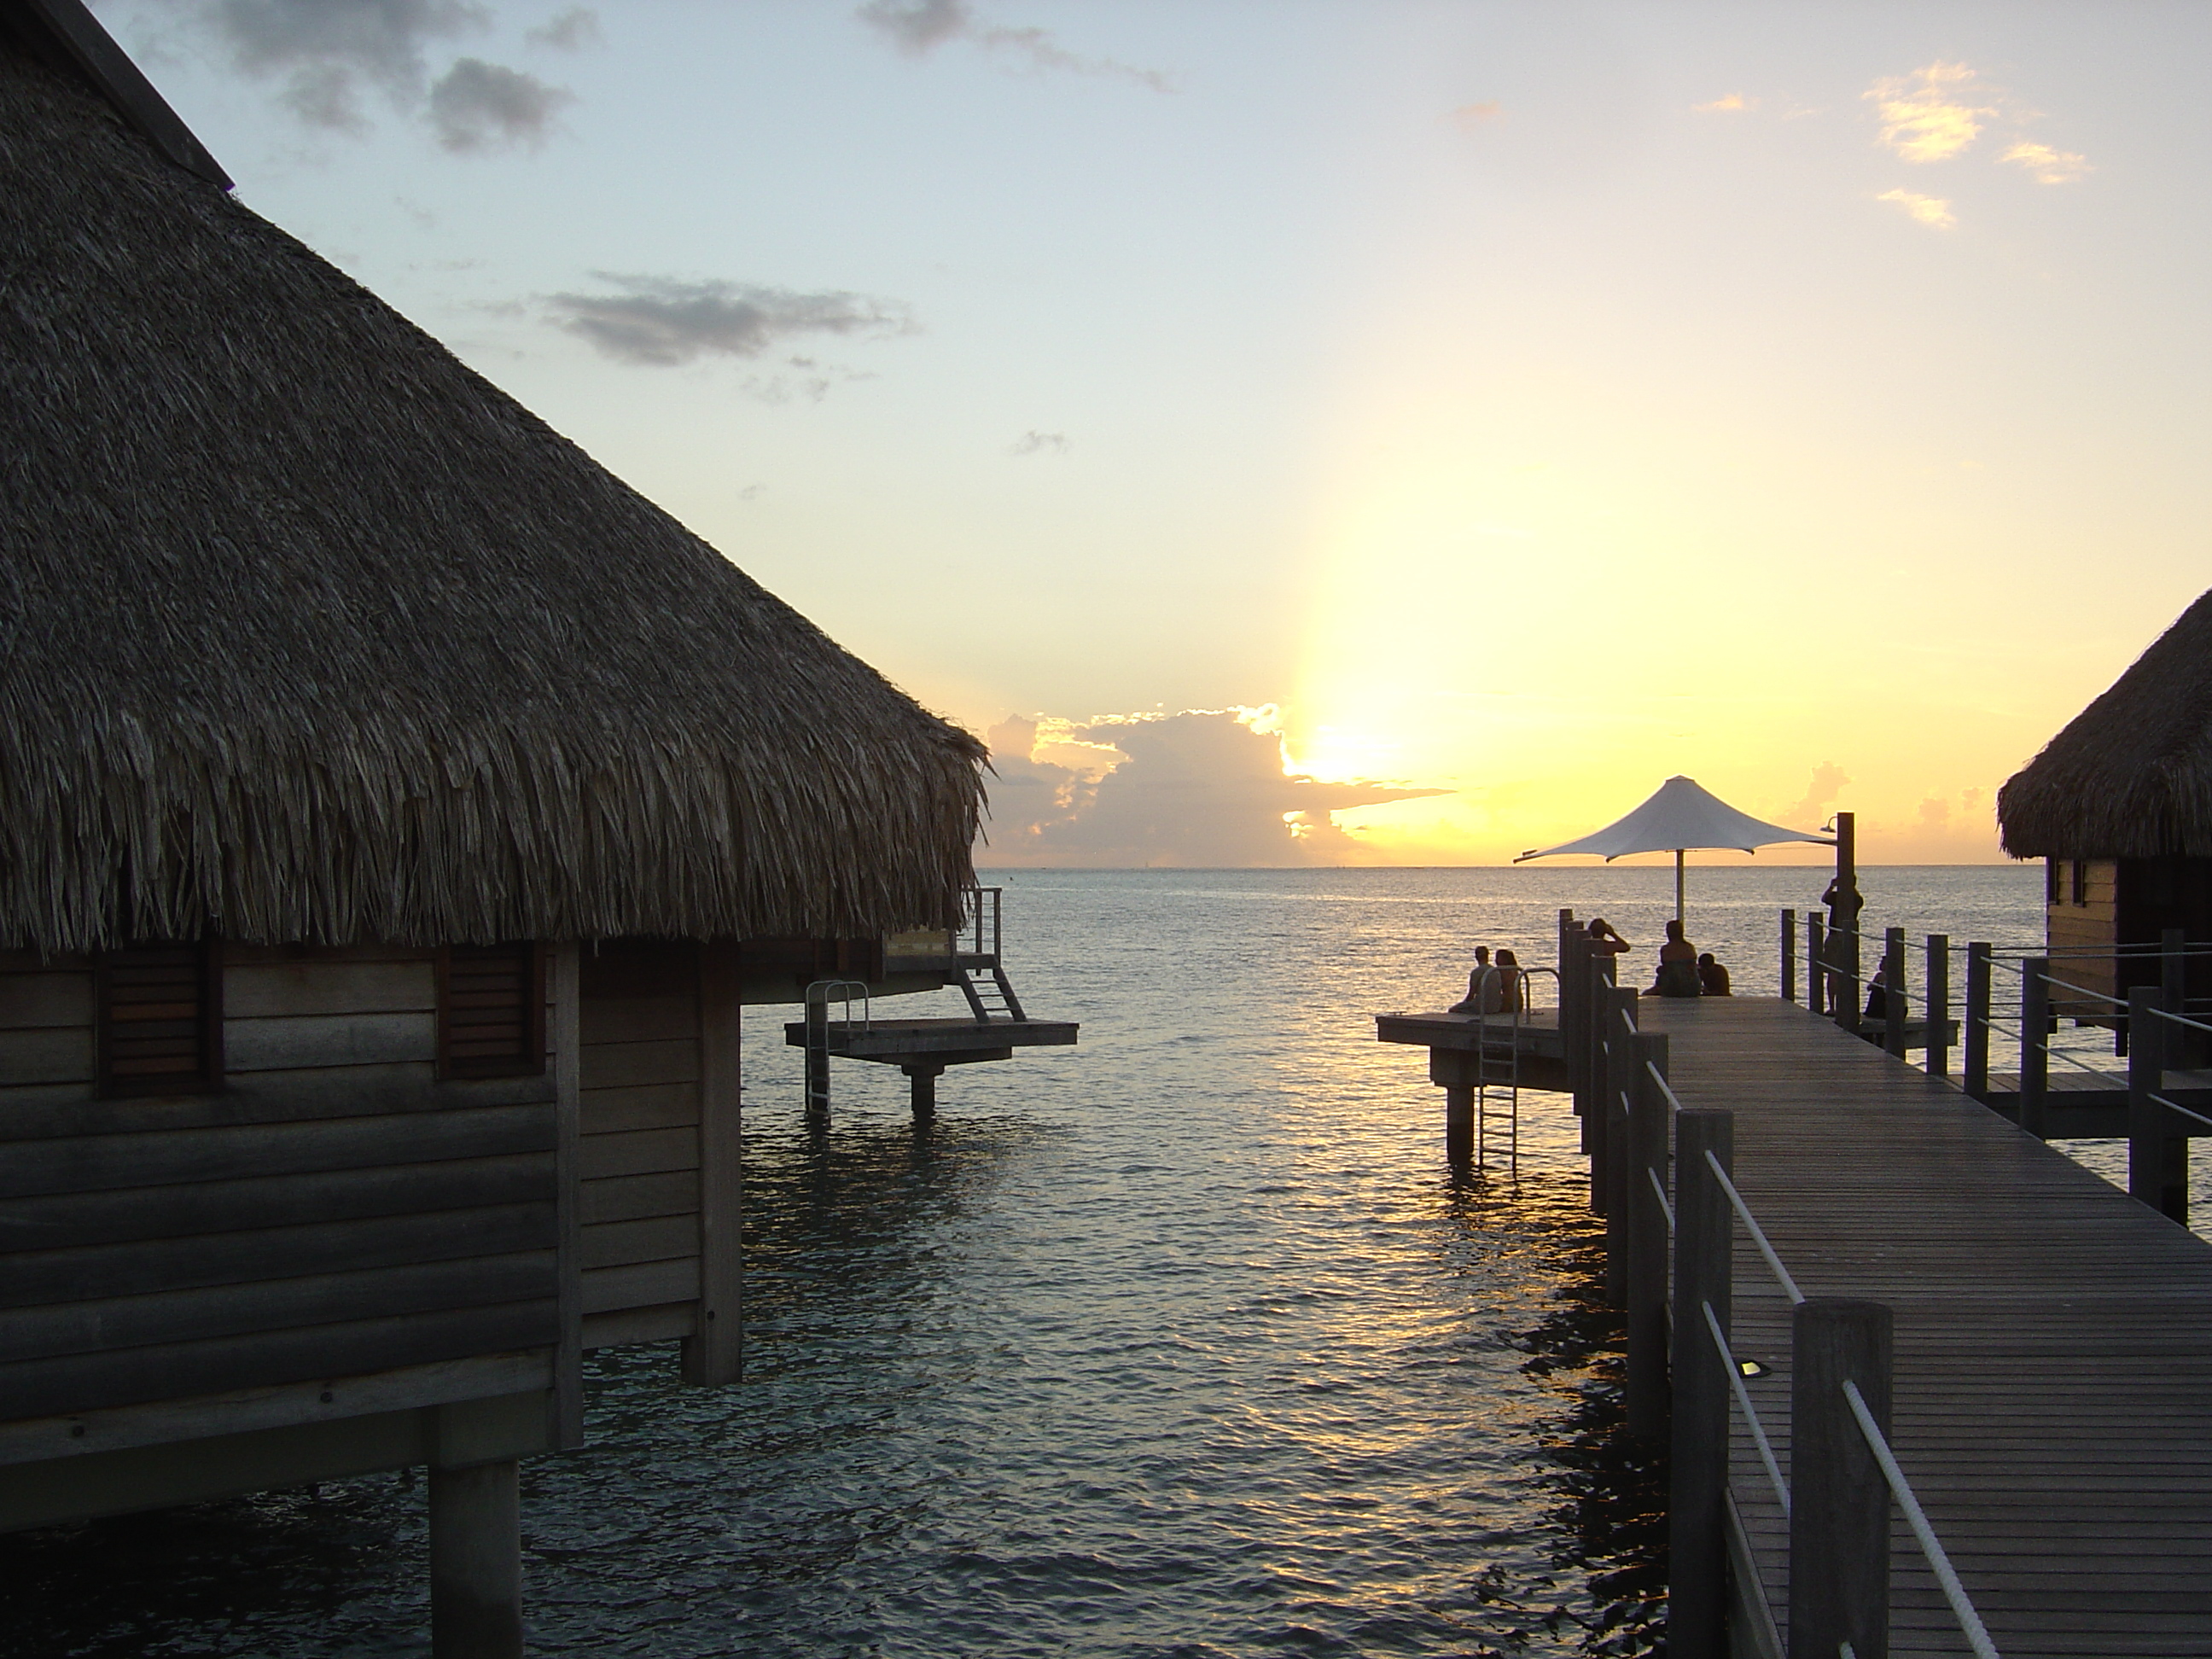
column 1678, row 817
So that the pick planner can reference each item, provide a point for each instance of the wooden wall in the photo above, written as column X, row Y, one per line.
column 660, row 1160
column 2090, row 924
column 640, row 1164
column 335, row 1212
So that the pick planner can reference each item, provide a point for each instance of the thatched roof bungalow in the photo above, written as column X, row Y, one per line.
column 393, row 805
column 2119, row 805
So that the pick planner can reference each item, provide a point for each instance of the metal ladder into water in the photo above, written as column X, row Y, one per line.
column 817, row 997
column 1497, row 1072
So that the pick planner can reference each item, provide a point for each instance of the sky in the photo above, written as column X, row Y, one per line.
column 1334, row 434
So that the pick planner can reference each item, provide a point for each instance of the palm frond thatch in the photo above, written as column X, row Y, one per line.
column 309, row 632
column 2131, row 776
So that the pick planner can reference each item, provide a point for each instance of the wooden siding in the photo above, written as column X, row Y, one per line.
column 638, row 1160
column 334, row 1212
column 2091, row 926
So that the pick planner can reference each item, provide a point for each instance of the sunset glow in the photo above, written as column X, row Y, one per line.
column 1522, row 406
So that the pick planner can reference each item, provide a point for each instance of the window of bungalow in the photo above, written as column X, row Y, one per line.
column 158, row 1019
column 2051, row 881
column 2080, row 881
column 491, row 1011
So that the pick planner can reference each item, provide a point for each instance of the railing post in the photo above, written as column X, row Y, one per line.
column 1697, row 1543
column 2158, row 1159
column 1816, row 962
column 1893, row 995
column 1937, row 1004
column 1839, row 1501
column 1594, row 1002
column 1977, row 1032
column 1620, row 1074
column 2034, row 1044
column 1846, row 997
column 1789, row 956
column 1647, row 1248
column 1574, row 997
column 2180, row 1050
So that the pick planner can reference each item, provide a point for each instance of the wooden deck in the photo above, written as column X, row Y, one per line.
column 2053, row 1384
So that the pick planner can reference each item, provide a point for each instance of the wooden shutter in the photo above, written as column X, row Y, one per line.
column 159, row 1017
column 491, row 1011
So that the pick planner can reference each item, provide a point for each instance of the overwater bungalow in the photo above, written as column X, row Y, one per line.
column 396, row 809
column 2119, row 807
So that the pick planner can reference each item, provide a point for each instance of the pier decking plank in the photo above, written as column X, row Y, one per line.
column 2053, row 1383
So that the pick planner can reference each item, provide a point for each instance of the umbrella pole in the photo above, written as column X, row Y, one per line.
column 1678, row 883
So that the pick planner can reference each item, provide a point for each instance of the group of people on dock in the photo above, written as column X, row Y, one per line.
column 1492, row 987
column 1683, row 970
column 1498, row 987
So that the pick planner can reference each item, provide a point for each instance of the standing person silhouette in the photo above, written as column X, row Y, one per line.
column 1604, row 941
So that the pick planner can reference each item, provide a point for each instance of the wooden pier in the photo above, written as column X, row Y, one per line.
column 2053, row 1341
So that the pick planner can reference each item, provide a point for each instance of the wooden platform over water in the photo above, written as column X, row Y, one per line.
column 2053, row 1382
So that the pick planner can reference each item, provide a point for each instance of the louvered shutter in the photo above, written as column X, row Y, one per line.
column 491, row 1011
column 158, row 1019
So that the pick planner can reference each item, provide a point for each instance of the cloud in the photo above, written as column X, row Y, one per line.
column 1828, row 781
column 476, row 105
column 918, row 27
column 331, row 53
column 1734, row 101
column 661, row 321
column 1925, row 115
column 572, row 31
column 1034, row 442
column 1204, row 788
column 2050, row 167
column 1468, row 117
column 1930, row 210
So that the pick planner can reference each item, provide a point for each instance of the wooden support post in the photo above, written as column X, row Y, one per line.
column 1937, row 1004
column 2035, row 1045
column 1619, row 1157
column 713, row 1354
column 1844, row 999
column 564, row 1031
column 1647, row 1244
column 1816, row 964
column 2181, row 1050
column 1789, row 956
column 921, row 1092
column 1893, row 996
column 1977, row 1033
column 1696, row 1542
column 1839, row 1501
column 475, row 1562
column 1459, row 1124
column 1599, row 989
column 1849, row 994
column 1574, row 1000
column 2158, row 1158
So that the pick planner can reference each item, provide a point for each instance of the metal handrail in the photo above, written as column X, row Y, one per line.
column 1758, row 1233
column 1962, row 1607
column 1660, row 1188
column 2197, row 1117
column 1750, row 1411
column 2182, row 1019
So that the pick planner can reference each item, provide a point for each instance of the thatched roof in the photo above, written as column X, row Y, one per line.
column 309, row 632
column 2131, row 776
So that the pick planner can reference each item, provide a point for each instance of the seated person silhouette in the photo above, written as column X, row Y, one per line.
column 1877, row 1002
column 1481, row 986
column 1677, row 966
column 1712, row 978
column 1508, row 982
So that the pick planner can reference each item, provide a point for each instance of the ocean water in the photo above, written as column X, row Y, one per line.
column 1184, row 1342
